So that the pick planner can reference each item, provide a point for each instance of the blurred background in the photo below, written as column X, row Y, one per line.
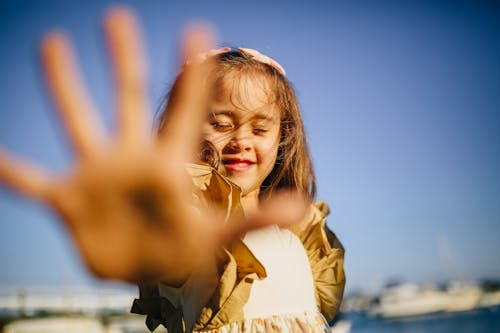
column 401, row 101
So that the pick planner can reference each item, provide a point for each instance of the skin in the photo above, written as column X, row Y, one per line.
column 245, row 134
column 126, row 201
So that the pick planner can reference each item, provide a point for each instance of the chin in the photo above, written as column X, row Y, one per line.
column 245, row 188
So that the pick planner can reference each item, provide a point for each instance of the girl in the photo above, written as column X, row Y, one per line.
column 214, row 249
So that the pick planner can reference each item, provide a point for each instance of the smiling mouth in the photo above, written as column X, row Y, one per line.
column 237, row 165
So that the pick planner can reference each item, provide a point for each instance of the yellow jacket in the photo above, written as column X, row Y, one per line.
column 239, row 267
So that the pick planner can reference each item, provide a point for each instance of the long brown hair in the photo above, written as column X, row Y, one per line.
column 293, row 168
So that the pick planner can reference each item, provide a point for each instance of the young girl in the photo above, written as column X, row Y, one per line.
column 209, row 257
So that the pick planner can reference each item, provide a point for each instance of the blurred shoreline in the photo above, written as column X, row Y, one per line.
column 106, row 309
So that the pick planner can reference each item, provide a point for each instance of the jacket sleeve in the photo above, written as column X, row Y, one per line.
column 326, row 257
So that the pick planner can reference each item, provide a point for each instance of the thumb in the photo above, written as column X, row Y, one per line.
column 283, row 209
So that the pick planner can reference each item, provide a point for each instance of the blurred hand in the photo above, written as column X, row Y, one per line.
column 127, row 200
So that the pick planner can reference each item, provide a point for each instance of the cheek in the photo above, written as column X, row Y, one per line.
column 268, row 152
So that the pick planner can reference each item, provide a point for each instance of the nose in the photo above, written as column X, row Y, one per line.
column 239, row 141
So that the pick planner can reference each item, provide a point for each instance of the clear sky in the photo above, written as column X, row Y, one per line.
column 401, row 101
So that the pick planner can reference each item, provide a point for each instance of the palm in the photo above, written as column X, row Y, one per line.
column 127, row 200
column 123, row 212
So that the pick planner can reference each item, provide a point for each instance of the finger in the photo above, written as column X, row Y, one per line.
column 284, row 209
column 127, row 54
column 215, row 52
column 201, row 57
column 188, row 111
column 24, row 178
column 69, row 94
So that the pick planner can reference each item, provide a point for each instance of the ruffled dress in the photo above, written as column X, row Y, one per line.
column 271, row 280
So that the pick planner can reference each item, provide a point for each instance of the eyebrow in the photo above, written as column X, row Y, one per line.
column 263, row 117
column 222, row 112
column 229, row 113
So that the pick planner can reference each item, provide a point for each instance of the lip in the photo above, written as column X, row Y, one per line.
column 237, row 164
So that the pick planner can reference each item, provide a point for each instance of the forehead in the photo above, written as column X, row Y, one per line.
column 246, row 93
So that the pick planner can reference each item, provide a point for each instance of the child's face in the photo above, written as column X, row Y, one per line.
column 244, row 127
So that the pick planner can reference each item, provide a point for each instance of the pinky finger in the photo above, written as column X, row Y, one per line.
column 24, row 178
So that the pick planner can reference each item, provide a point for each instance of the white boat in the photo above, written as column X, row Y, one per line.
column 407, row 300
column 342, row 326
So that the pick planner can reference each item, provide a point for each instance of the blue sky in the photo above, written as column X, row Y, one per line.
column 401, row 101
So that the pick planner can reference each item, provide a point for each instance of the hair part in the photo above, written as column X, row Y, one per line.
column 293, row 169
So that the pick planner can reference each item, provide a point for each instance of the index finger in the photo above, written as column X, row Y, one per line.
column 187, row 111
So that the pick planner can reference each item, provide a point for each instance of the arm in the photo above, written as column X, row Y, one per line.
column 127, row 200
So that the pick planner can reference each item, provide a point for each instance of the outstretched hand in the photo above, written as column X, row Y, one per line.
column 127, row 200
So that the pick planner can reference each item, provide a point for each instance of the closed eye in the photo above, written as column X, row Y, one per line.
column 258, row 130
column 221, row 126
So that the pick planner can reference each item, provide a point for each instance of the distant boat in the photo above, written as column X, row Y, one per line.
column 342, row 326
column 407, row 300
